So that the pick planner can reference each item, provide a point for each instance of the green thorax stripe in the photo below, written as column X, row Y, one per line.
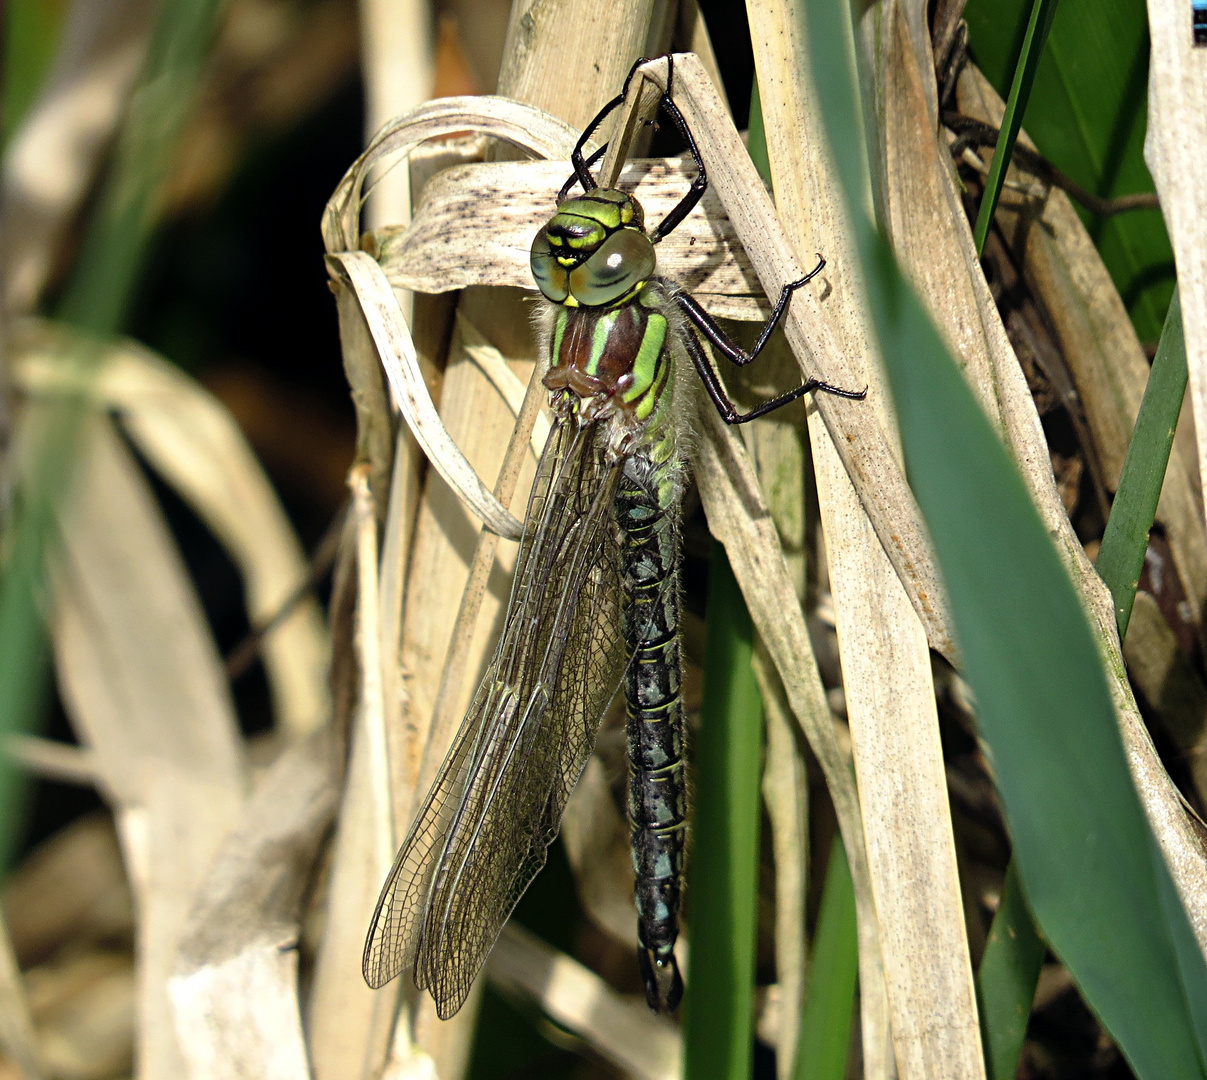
column 649, row 355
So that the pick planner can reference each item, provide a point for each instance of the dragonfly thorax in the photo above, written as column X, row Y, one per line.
column 594, row 251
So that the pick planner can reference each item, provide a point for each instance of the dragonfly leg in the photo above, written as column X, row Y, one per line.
column 729, row 411
column 582, row 167
column 723, row 343
column 700, row 184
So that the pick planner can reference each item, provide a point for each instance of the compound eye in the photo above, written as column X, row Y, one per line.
column 623, row 261
column 550, row 276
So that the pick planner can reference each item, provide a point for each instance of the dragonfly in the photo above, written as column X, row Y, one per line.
column 594, row 600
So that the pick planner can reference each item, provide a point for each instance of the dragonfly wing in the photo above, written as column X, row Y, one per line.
column 394, row 931
column 554, row 670
column 498, row 801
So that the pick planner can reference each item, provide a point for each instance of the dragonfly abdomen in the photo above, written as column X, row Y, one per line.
column 647, row 514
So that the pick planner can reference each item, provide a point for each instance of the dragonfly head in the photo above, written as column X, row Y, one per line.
column 594, row 251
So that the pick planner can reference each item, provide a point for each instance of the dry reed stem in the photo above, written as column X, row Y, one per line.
column 883, row 651
column 933, row 240
column 398, row 64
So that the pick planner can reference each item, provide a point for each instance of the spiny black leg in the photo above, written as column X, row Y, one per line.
column 722, row 341
column 720, row 399
column 700, row 184
column 582, row 170
column 561, row 195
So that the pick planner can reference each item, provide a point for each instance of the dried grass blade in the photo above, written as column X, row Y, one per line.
column 530, row 129
column 53, row 760
column 235, row 984
column 1175, row 150
column 885, row 660
column 786, row 793
column 145, row 688
column 397, row 352
column 627, row 1034
column 196, row 446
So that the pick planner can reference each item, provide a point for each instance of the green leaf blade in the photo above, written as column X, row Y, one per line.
column 718, row 1026
column 1042, row 13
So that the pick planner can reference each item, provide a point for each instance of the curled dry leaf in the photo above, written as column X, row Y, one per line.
column 445, row 246
column 364, row 278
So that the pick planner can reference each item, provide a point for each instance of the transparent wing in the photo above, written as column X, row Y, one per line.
column 497, row 802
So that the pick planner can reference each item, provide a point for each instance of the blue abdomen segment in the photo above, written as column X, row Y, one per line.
column 657, row 801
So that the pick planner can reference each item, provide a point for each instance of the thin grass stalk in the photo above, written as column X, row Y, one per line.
column 30, row 30
column 829, row 1011
column 723, row 875
column 1042, row 13
column 1006, row 980
column 1121, row 557
column 1014, row 951
column 101, row 286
